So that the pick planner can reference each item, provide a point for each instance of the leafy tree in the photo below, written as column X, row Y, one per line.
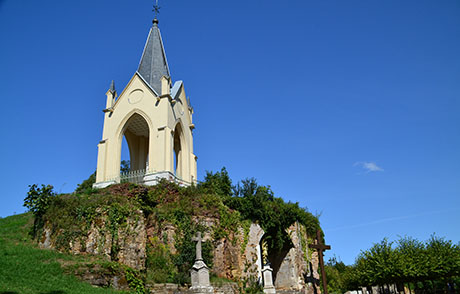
column 38, row 200
column 428, row 265
column 217, row 183
column 443, row 258
column 259, row 204
column 336, row 275
column 412, row 259
column 124, row 166
column 87, row 185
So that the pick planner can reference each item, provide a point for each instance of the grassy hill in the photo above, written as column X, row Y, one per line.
column 24, row 268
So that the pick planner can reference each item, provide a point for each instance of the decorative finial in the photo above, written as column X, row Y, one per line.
column 112, row 87
column 156, row 11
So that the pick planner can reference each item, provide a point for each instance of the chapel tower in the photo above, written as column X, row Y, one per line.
column 155, row 117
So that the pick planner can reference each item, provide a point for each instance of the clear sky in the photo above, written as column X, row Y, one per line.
column 351, row 108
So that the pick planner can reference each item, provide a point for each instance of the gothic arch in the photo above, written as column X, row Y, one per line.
column 128, row 116
column 275, row 256
column 137, row 129
column 180, row 151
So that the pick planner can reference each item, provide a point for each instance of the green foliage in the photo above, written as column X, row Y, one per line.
column 26, row 269
column 422, row 264
column 258, row 204
column 337, row 274
column 159, row 263
column 378, row 264
column 70, row 218
column 217, row 183
column 135, row 281
column 251, row 286
column 38, row 201
column 117, row 215
column 124, row 166
column 87, row 185
column 186, row 249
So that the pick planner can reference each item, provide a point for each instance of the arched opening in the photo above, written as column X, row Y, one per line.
column 275, row 256
column 178, row 151
column 136, row 133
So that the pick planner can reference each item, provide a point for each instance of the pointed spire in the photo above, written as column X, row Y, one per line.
column 153, row 63
column 112, row 87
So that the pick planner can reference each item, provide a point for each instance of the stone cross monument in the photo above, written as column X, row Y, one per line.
column 199, row 271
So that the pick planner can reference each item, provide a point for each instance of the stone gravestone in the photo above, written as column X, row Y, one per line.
column 199, row 271
column 267, row 271
column 267, row 274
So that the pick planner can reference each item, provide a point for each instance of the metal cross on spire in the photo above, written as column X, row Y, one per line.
column 156, row 9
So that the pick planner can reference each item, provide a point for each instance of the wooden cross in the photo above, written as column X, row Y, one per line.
column 321, row 247
column 198, row 240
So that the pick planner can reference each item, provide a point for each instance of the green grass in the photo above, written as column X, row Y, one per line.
column 24, row 268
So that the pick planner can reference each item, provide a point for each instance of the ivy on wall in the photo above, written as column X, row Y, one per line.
column 71, row 216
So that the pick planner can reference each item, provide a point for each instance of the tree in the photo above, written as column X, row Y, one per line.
column 337, row 275
column 87, row 185
column 124, row 166
column 38, row 201
column 217, row 183
column 428, row 265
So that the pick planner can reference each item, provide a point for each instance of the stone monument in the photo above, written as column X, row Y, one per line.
column 268, row 279
column 267, row 271
column 199, row 271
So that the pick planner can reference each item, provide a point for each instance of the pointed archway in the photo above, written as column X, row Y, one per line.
column 179, row 151
column 136, row 132
column 275, row 255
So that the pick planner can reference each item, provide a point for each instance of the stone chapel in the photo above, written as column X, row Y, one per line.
column 154, row 115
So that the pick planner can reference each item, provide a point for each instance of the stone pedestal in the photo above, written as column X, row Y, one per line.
column 200, row 278
column 267, row 273
column 151, row 179
column 101, row 185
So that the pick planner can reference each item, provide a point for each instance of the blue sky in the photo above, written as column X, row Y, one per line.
column 351, row 108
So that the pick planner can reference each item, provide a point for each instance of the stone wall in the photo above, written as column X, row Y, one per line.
column 236, row 257
column 131, row 240
column 299, row 266
column 228, row 288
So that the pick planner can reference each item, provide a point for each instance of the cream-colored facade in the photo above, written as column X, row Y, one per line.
column 155, row 117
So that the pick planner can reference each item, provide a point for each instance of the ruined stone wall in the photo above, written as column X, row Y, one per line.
column 298, row 272
column 236, row 257
column 130, row 240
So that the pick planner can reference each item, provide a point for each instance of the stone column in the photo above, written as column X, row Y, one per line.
column 267, row 274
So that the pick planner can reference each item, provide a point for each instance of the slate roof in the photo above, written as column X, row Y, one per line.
column 153, row 64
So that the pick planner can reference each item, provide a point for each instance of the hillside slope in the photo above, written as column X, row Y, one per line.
column 26, row 269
